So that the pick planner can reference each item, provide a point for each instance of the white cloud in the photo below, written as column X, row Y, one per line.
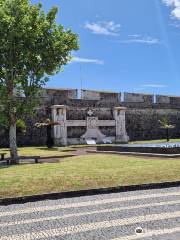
column 103, row 28
column 175, row 4
column 87, row 60
column 135, row 35
column 137, row 38
column 153, row 86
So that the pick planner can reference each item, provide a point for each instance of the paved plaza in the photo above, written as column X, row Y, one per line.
column 107, row 217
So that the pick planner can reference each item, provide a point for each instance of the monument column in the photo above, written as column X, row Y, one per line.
column 59, row 131
column 119, row 116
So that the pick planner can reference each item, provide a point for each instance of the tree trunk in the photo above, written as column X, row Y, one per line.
column 167, row 134
column 13, row 145
column 50, row 141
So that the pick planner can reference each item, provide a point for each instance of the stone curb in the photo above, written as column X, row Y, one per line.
column 156, row 155
column 60, row 157
column 90, row 192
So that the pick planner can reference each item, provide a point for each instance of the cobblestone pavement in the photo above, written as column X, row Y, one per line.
column 110, row 216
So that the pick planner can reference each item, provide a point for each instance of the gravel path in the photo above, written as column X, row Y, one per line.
column 106, row 217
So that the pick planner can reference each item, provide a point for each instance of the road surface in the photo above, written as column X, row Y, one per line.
column 104, row 217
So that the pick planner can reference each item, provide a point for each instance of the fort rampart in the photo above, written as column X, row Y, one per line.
column 142, row 114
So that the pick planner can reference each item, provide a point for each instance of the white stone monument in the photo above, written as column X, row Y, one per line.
column 92, row 124
column 93, row 131
column 60, row 131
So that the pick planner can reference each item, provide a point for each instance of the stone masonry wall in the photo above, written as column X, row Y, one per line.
column 143, row 113
column 100, row 95
column 143, row 123
column 138, row 98
column 33, row 136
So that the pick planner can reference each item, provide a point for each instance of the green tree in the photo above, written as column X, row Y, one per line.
column 48, row 125
column 32, row 47
column 167, row 126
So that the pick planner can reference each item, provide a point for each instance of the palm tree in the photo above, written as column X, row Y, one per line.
column 167, row 126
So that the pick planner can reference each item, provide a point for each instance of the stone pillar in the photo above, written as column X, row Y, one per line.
column 59, row 131
column 119, row 116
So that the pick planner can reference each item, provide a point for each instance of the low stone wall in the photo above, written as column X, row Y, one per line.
column 139, row 149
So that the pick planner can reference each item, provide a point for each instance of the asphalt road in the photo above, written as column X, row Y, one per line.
column 110, row 216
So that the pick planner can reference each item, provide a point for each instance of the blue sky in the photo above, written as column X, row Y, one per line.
column 125, row 45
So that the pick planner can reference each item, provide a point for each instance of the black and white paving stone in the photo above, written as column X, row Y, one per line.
column 106, row 217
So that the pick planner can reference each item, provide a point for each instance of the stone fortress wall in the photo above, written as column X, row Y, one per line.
column 142, row 114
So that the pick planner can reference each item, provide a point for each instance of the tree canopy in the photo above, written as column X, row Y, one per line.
column 32, row 47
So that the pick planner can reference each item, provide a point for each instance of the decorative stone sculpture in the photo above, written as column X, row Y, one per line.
column 60, row 131
column 93, row 131
column 90, row 113
column 92, row 124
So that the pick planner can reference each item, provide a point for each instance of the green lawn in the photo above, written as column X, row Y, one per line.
column 84, row 172
column 40, row 151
